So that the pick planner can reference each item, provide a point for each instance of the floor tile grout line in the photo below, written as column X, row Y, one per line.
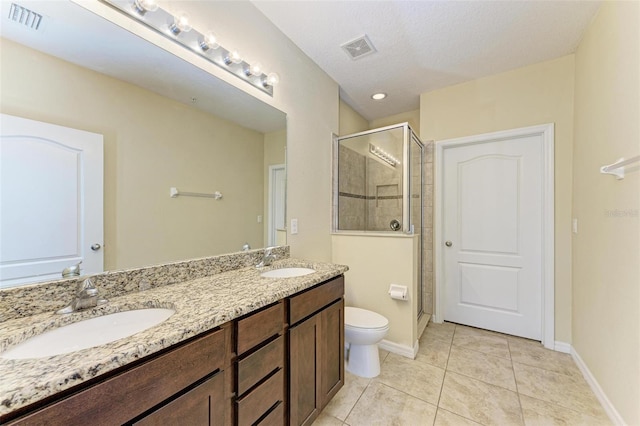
column 547, row 369
column 515, row 379
column 475, row 350
column 406, row 393
column 482, row 381
column 446, row 366
column 574, row 410
column 446, row 370
column 460, row 415
column 356, row 403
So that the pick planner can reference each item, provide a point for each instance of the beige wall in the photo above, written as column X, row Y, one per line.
column 537, row 94
column 367, row 286
column 350, row 121
column 151, row 143
column 606, row 249
column 275, row 146
column 411, row 117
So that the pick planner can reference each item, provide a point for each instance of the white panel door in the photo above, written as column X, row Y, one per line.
column 51, row 192
column 492, row 229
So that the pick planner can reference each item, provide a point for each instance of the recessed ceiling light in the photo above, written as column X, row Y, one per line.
column 378, row 96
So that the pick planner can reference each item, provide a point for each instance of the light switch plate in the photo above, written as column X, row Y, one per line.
column 294, row 226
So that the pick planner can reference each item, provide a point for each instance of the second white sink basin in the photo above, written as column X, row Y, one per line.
column 88, row 333
column 287, row 272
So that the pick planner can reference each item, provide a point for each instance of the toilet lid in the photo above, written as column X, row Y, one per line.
column 362, row 318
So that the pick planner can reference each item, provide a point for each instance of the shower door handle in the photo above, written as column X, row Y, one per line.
column 448, row 244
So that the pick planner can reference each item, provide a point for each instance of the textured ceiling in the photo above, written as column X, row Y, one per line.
column 426, row 45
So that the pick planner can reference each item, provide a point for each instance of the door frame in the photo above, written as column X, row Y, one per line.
column 271, row 220
column 548, row 212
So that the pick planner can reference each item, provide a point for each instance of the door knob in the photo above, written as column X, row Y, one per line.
column 96, row 247
column 448, row 244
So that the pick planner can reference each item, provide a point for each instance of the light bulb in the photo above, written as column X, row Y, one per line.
column 210, row 41
column 378, row 96
column 233, row 57
column 253, row 69
column 144, row 6
column 180, row 24
column 272, row 79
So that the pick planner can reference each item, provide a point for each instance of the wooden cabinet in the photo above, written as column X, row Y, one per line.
column 331, row 351
column 199, row 406
column 235, row 374
column 150, row 385
column 316, row 350
column 261, row 343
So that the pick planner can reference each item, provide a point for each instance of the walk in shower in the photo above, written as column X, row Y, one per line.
column 379, row 187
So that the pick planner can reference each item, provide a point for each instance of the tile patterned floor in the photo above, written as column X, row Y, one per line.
column 467, row 376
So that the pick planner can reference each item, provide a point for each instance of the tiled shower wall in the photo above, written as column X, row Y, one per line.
column 352, row 195
column 384, row 201
column 427, row 230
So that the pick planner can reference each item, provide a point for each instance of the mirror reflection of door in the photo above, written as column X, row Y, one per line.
column 277, row 234
column 51, row 185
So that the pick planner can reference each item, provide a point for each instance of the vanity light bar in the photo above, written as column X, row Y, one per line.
column 383, row 155
column 176, row 27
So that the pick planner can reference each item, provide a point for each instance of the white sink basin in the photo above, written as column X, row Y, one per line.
column 88, row 333
column 287, row 272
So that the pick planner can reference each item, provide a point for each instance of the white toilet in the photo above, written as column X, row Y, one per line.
column 363, row 329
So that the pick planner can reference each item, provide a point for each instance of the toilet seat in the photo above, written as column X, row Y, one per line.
column 363, row 319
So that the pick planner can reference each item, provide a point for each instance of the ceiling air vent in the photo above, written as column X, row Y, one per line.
column 24, row 16
column 359, row 47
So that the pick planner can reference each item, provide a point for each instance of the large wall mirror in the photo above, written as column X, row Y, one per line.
column 165, row 122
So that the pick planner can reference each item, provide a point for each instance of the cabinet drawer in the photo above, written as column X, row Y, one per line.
column 311, row 301
column 259, row 364
column 258, row 327
column 128, row 394
column 256, row 403
column 202, row 405
column 275, row 417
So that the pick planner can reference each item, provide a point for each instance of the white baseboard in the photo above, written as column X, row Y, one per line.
column 611, row 411
column 404, row 350
column 563, row 347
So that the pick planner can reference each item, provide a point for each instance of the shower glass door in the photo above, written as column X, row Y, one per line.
column 370, row 182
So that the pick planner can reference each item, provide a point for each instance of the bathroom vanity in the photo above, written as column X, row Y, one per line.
column 275, row 360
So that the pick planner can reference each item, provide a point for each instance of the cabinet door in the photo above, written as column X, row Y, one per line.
column 332, row 350
column 304, row 368
column 203, row 405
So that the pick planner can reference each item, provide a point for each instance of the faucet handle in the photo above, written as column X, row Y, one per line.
column 86, row 284
column 87, row 288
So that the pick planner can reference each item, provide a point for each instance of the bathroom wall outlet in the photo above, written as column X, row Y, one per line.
column 574, row 225
column 259, row 218
column 294, row 226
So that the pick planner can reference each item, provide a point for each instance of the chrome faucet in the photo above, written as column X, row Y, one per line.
column 72, row 271
column 267, row 258
column 86, row 297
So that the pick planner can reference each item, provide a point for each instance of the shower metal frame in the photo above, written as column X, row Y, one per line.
column 406, row 197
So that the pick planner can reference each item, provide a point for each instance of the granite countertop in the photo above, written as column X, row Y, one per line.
column 200, row 304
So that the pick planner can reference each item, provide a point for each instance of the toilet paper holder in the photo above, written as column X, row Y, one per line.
column 398, row 292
